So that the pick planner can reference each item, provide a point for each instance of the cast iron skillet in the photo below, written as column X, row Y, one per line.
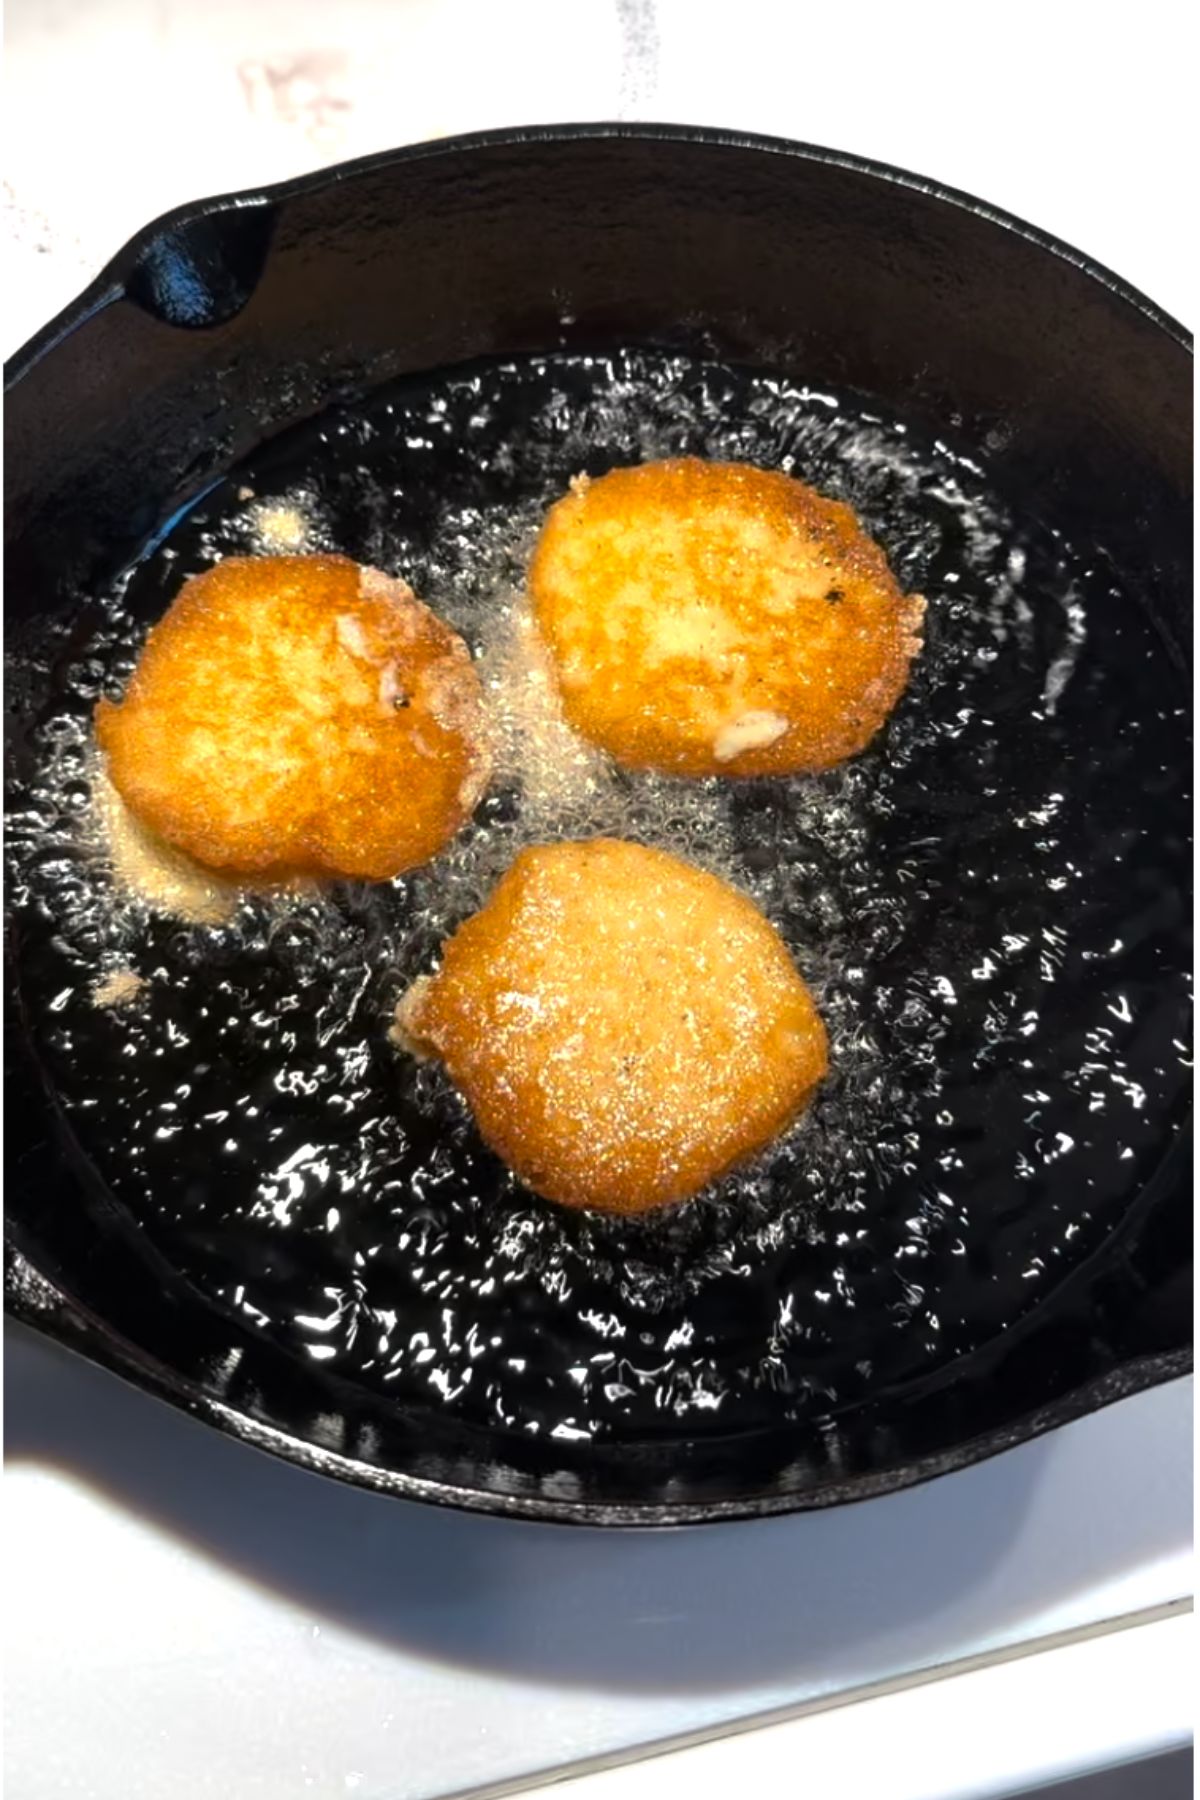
column 231, row 319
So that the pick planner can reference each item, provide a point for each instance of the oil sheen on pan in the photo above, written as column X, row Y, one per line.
column 986, row 903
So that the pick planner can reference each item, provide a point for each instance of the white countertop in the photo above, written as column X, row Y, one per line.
column 188, row 1617
column 119, row 109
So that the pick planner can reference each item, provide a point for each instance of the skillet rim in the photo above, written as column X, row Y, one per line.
column 109, row 283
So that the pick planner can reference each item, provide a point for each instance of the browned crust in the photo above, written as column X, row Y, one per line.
column 299, row 716
column 625, row 1027
column 713, row 618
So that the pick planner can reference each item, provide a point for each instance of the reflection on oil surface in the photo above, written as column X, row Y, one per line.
column 988, row 904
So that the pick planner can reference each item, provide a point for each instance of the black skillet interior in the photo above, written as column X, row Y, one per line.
column 733, row 297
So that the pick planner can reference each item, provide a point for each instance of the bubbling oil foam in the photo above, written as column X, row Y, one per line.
column 1001, row 1015
column 144, row 868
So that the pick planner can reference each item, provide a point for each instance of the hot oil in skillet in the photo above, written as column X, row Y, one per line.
column 989, row 904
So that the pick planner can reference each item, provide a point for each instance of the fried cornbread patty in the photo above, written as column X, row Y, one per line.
column 711, row 618
column 624, row 1026
column 299, row 715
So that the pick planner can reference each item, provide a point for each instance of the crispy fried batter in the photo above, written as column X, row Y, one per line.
column 624, row 1026
column 717, row 619
column 298, row 715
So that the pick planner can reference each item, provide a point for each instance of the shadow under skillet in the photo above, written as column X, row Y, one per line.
column 920, row 1575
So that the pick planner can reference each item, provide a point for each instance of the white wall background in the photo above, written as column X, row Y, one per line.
column 1077, row 118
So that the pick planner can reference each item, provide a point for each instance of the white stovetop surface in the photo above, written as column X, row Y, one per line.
column 188, row 1617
